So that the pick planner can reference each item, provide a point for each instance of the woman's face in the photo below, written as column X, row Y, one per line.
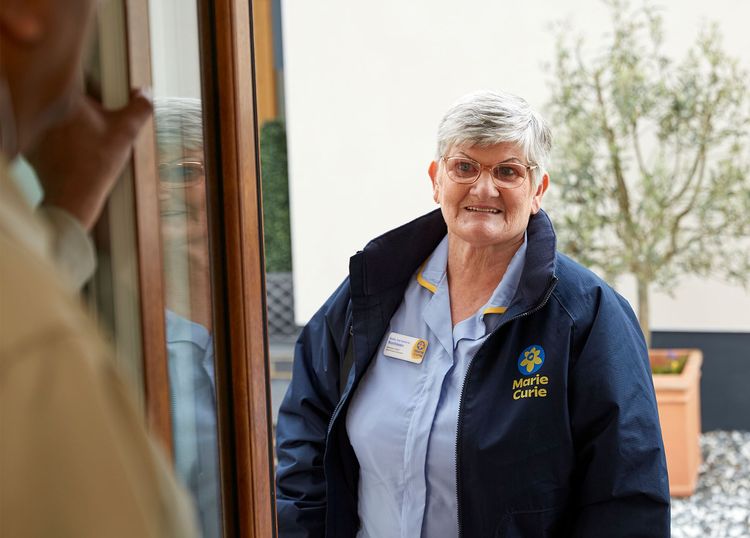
column 482, row 214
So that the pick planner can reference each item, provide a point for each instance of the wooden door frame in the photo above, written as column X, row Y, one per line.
column 235, row 219
column 148, row 243
column 232, row 163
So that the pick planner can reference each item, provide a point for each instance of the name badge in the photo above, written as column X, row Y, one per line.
column 405, row 348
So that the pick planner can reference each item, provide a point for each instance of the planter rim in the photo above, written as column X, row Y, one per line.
column 683, row 380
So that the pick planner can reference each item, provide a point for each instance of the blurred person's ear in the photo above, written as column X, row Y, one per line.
column 22, row 21
column 41, row 44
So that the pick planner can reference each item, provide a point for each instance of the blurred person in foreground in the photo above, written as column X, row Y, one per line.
column 75, row 458
column 190, row 350
column 467, row 379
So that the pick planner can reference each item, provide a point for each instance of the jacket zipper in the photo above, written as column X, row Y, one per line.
column 341, row 397
column 463, row 389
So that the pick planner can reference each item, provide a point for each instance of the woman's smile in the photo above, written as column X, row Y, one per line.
column 483, row 209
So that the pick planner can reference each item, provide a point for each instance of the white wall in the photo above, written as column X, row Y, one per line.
column 367, row 83
column 174, row 45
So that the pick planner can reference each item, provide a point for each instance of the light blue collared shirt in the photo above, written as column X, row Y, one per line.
column 190, row 354
column 403, row 416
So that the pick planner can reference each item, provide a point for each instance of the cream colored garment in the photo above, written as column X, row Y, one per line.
column 71, row 247
column 75, row 459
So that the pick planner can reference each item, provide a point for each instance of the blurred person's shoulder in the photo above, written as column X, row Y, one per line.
column 69, row 417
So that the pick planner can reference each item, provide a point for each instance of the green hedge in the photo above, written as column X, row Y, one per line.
column 273, row 161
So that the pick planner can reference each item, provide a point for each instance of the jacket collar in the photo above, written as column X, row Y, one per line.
column 390, row 260
column 379, row 274
column 540, row 267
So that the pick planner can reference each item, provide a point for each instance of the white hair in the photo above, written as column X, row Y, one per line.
column 179, row 122
column 487, row 117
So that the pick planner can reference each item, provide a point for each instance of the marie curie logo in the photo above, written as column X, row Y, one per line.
column 531, row 360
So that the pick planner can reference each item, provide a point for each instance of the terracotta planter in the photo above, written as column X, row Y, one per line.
column 678, row 399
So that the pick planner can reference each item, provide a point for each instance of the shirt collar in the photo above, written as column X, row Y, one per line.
column 506, row 289
column 180, row 329
column 433, row 271
column 17, row 218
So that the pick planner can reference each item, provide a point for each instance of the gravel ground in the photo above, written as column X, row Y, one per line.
column 720, row 507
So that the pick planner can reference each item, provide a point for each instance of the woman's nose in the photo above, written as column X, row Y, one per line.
column 484, row 185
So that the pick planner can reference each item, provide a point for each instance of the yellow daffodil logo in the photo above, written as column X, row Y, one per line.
column 418, row 349
column 531, row 360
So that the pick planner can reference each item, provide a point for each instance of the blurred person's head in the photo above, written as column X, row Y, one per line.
column 41, row 44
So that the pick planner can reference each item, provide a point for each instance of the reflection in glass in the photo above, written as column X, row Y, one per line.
column 182, row 198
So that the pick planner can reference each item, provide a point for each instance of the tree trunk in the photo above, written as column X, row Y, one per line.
column 643, row 309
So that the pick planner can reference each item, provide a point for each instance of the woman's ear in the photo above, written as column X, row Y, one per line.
column 432, row 171
column 536, row 199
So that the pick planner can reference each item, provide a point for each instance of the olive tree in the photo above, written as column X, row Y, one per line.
column 652, row 155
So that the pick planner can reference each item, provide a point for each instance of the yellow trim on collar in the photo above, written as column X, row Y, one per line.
column 433, row 288
column 422, row 282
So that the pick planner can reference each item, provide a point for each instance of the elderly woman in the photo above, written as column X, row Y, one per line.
column 190, row 350
column 467, row 379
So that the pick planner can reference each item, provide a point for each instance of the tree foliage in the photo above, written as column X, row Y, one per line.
column 652, row 155
column 275, row 182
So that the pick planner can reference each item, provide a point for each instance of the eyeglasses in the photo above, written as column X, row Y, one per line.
column 181, row 174
column 506, row 175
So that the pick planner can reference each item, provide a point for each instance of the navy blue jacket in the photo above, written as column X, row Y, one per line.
column 573, row 450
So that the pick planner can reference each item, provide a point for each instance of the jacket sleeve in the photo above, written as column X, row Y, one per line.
column 302, row 426
column 620, row 477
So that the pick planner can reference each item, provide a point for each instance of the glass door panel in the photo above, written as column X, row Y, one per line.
column 178, row 118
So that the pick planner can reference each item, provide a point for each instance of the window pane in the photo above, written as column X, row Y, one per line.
column 282, row 329
column 184, row 231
